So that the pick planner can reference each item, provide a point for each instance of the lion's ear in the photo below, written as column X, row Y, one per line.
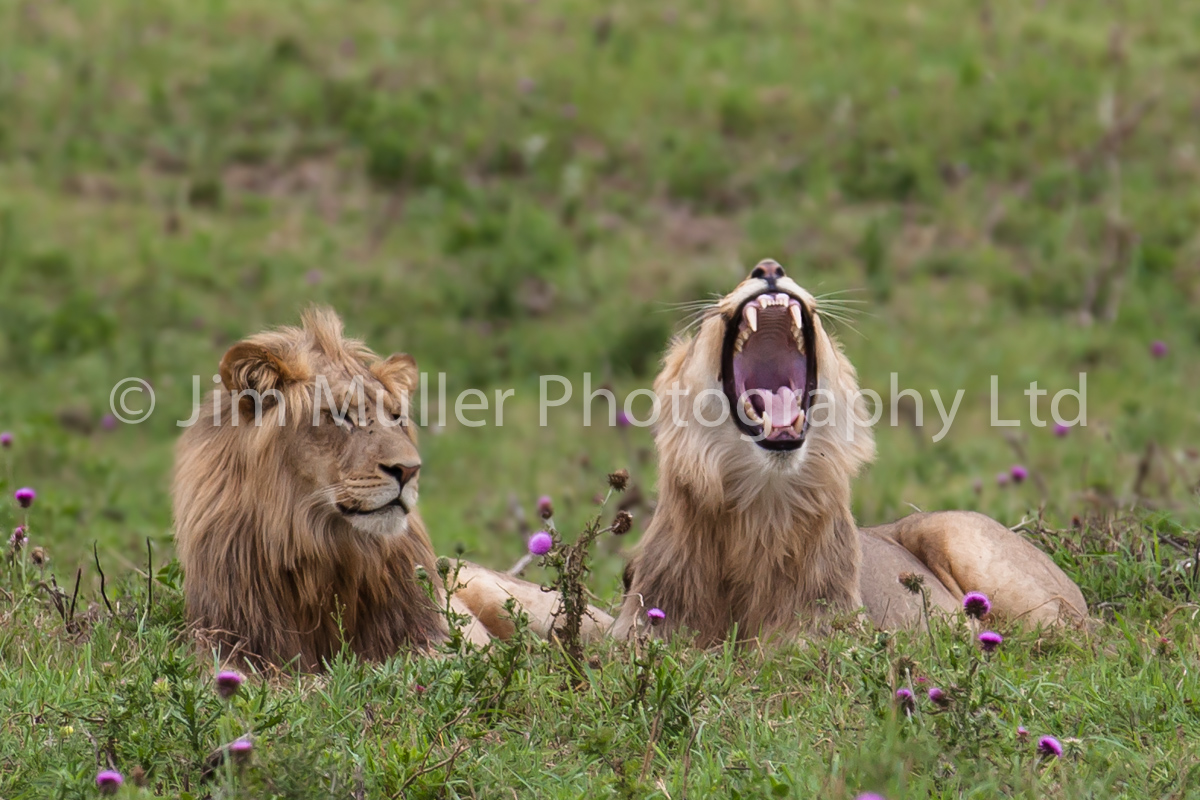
column 398, row 373
column 249, row 365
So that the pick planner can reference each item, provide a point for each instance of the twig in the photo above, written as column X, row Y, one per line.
column 928, row 627
column 422, row 769
column 654, row 728
column 75, row 595
column 518, row 515
column 103, row 593
column 687, row 761
column 360, row 789
column 149, row 575
column 56, row 596
column 448, row 761
column 1117, row 135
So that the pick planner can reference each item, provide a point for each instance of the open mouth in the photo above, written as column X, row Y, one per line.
column 347, row 511
column 769, row 372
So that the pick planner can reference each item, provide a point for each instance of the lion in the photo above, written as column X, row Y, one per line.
column 753, row 528
column 295, row 497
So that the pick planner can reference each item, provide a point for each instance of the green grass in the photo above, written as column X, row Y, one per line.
column 506, row 189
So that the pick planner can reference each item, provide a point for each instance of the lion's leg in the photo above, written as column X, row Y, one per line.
column 475, row 631
column 888, row 603
column 969, row 552
column 484, row 592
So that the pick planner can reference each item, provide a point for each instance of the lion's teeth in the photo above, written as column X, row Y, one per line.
column 743, row 335
column 765, row 301
column 798, row 425
column 752, row 317
column 766, row 425
column 797, row 317
column 751, row 414
column 782, row 299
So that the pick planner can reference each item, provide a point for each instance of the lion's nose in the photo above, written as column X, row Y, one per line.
column 401, row 472
column 769, row 269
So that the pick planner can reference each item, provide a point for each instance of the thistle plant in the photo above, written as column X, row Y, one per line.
column 647, row 652
column 962, row 700
column 230, row 726
column 447, row 576
column 569, row 562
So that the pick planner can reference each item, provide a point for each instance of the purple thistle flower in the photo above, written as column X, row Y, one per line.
column 18, row 539
column 1022, row 732
column 240, row 750
column 1061, row 430
column 1049, row 746
column 655, row 615
column 6, row 439
column 870, row 796
column 25, row 496
column 545, row 507
column 1158, row 349
column 623, row 420
column 540, row 543
column 109, row 781
column 1001, row 478
column 108, row 422
column 904, row 698
column 228, row 683
column 1019, row 473
column 990, row 640
column 976, row 604
column 313, row 277
column 938, row 697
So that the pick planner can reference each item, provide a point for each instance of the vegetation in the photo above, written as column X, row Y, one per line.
column 510, row 188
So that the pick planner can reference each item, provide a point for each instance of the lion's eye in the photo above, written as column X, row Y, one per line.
column 391, row 418
column 345, row 423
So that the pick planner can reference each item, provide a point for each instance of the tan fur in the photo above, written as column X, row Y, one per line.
column 764, row 541
column 275, row 568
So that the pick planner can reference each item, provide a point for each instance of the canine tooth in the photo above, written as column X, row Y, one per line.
column 752, row 317
column 766, row 425
column 798, row 425
column 797, row 317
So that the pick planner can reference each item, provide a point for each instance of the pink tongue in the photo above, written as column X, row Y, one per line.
column 782, row 405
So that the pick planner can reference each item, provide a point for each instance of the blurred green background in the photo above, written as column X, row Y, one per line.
column 505, row 189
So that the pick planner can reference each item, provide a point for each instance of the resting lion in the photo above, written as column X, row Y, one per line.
column 753, row 526
column 300, row 533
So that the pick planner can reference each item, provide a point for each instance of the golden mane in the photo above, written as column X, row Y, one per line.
column 272, row 569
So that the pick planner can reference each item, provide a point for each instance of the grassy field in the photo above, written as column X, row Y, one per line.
column 513, row 188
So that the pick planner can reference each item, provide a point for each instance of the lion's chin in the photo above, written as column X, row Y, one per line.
column 386, row 522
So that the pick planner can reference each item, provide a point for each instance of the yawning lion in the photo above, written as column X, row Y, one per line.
column 753, row 526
